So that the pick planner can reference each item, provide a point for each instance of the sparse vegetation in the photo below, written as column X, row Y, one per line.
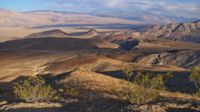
column 195, row 77
column 128, row 72
column 197, row 94
column 147, row 86
column 71, row 90
column 34, row 89
column 142, row 95
column 147, row 80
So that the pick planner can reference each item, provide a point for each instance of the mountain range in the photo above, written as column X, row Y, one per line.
column 152, row 18
column 41, row 18
column 189, row 32
column 10, row 18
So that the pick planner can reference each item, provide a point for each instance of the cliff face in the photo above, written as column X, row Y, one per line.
column 189, row 32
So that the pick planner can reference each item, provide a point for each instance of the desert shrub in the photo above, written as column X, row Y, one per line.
column 151, row 81
column 142, row 96
column 195, row 77
column 128, row 73
column 147, row 86
column 147, row 80
column 71, row 90
column 145, row 92
column 197, row 94
column 34, row 89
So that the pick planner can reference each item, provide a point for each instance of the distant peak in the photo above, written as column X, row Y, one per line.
column 92, row 29
column 92, row 32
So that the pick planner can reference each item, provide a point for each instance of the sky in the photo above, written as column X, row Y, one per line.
column 185, row 8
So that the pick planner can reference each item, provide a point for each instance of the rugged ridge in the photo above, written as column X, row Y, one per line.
column 189, row 32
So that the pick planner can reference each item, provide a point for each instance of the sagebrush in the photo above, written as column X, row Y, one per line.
column 148, row 84
column 142, row 96
column 34, row 89
column 195, row 77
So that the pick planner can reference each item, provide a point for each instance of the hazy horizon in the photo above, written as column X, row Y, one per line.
column 178, row 8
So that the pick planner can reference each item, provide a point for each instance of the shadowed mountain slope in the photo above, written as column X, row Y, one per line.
column 50, row 33
column 60, row 44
